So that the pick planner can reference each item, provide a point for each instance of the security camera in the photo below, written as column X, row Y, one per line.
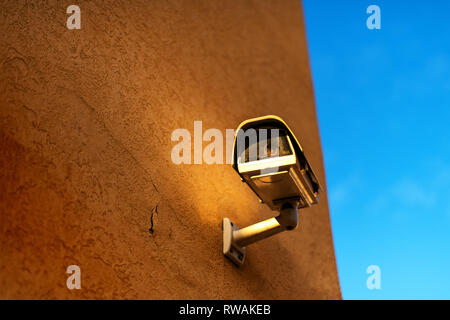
column 269, row 159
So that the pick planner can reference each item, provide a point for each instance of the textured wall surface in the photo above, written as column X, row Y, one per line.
column 86, row 118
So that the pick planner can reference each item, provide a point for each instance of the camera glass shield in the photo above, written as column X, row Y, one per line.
column 255, row 145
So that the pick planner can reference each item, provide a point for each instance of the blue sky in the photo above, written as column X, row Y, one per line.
column 383, row 101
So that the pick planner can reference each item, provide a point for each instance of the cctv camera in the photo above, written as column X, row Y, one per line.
column 269, row 159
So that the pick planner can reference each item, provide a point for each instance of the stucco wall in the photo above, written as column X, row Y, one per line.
column 86, row 118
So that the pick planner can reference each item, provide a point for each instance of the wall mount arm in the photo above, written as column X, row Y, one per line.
column 235, row 239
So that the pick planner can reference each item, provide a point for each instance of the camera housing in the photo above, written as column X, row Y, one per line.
column 270, row 160
column 277, row 178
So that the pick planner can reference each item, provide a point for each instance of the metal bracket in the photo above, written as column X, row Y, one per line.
column 232, row 251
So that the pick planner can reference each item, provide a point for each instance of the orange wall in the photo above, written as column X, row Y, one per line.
column 85, row 123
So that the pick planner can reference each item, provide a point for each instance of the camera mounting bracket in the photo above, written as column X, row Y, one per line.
column 232, row 251
column 235, row 239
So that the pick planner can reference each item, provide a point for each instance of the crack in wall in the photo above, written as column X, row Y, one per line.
column 154, row 210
